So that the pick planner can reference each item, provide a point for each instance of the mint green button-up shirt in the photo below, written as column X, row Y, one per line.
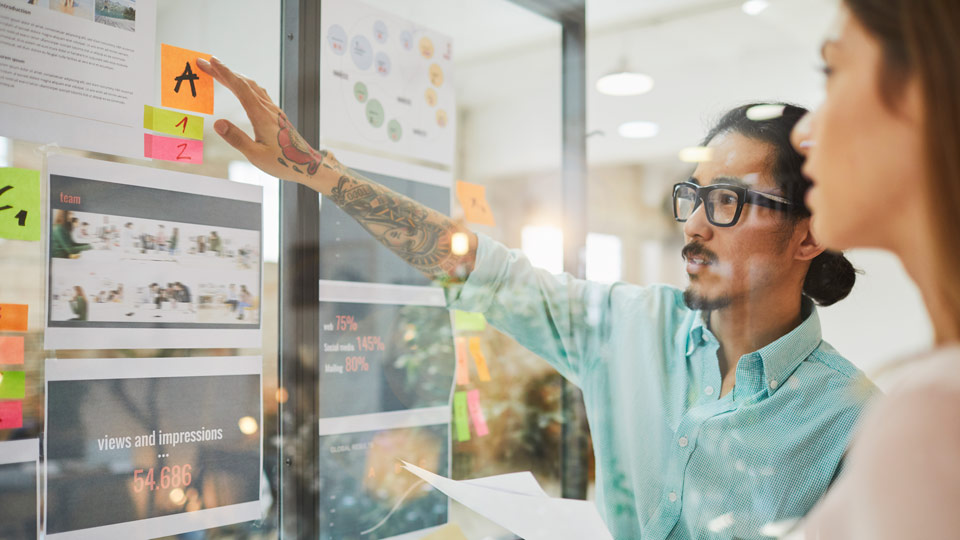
column 674, row 459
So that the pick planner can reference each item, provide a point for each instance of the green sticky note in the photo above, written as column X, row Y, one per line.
column 460, row 419
column 12, row 387
column 469, row 322
column 19, row 204
column 173, row 122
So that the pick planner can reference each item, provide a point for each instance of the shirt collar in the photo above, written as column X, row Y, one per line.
column 780, row 358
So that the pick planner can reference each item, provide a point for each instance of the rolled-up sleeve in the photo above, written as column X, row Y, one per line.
column 562, row 319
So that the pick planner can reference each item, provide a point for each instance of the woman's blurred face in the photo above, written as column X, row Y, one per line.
column 864, row 156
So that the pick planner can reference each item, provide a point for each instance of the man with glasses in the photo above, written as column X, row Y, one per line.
column 716, row 412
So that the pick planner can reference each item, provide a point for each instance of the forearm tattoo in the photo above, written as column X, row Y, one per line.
column 296, row 150
column 419, row 235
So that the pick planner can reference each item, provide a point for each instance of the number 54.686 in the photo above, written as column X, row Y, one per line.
column 170, row 477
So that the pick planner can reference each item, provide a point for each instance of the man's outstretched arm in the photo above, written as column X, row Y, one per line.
column 418, row 234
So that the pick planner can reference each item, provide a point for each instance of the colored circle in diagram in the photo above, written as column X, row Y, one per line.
column 406, row 40
column 394, row 131
column 441, row 118
column 375, row 113
column 380, row 31
column 337, row 39
column 431, row 96
column 436, row 75
column 360, row 92
column 382, row 61
column 361, row 52
column 426, row 47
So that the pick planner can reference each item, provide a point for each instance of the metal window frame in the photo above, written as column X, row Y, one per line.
column 299, row 268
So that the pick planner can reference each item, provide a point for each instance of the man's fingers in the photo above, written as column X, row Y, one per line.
column 233, row 82
column 236, row 138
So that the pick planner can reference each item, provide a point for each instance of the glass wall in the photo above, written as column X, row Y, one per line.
column 376, row 369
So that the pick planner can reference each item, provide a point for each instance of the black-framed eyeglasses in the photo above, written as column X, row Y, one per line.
column 723, row 202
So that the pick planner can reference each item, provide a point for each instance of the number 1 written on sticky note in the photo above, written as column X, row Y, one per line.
column 19, row 204
column 182, row 85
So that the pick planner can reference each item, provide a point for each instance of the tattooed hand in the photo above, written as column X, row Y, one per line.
column 419, row 235
column 277, row 148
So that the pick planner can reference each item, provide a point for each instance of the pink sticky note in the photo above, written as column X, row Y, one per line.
column 463, row 367
column 172, row 149
column 11, row 349
column 476, row 413
column 11, row 414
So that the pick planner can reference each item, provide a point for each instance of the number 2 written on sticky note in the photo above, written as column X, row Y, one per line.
column 182, row 85
column 19, row 204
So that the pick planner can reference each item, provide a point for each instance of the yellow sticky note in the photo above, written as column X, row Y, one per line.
column 478, row 357
column 465, row 321
column 473, row 200
column 450, row 531
column 173, row 122
column 19, row 204
column 182, row 84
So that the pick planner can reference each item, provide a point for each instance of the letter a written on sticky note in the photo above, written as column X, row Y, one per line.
column 182, row 85
column 13, row 317
column 173, row 122
column 473, row 200
column 19, row 204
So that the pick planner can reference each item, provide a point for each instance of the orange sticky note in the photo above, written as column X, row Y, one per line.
column 473, row 200
column 182, row 85
column 172, row 149
column 13, row 317
column 463, row 368
column 11, row 414
column 481, row 362
column 11, row 350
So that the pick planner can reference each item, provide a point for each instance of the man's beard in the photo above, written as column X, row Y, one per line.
column 692, row 299
column 699, row 302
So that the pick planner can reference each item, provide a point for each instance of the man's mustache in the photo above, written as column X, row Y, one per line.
column 695, row 249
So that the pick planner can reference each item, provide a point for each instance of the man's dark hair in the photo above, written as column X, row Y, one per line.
column 831, row 275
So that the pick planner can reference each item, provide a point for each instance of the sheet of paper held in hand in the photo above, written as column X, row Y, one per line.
column 518, row 503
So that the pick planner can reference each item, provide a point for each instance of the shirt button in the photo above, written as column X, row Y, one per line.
column 672, row 496
column 773, row 384
column 708, row 390
column 683, row 442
